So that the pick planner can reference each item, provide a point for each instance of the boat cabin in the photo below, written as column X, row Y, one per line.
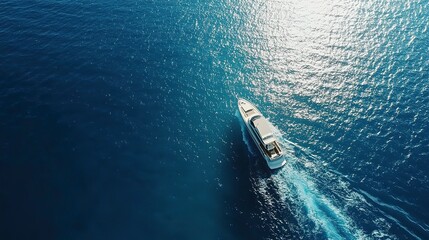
column 265, row 135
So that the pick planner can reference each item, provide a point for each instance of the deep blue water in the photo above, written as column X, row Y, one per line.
column 118, row 119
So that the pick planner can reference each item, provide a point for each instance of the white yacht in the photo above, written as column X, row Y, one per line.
column 262, row 134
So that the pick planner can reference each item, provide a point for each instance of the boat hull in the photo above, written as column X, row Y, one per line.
column 272, row 163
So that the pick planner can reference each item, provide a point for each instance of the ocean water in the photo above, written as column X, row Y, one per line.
column 118, row 119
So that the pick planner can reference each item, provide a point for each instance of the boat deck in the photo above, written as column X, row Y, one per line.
column 247, row 109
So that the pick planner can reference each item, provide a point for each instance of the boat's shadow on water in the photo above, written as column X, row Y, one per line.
column 253, row 208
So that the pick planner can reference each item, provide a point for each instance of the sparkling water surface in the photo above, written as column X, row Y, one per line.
column 119, row 119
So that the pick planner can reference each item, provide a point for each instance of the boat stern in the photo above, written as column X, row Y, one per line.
column 276, row 163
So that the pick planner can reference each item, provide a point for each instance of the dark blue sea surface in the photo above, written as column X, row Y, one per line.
column 118, row 119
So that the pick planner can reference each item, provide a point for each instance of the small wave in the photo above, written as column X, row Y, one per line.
column 389, row 211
